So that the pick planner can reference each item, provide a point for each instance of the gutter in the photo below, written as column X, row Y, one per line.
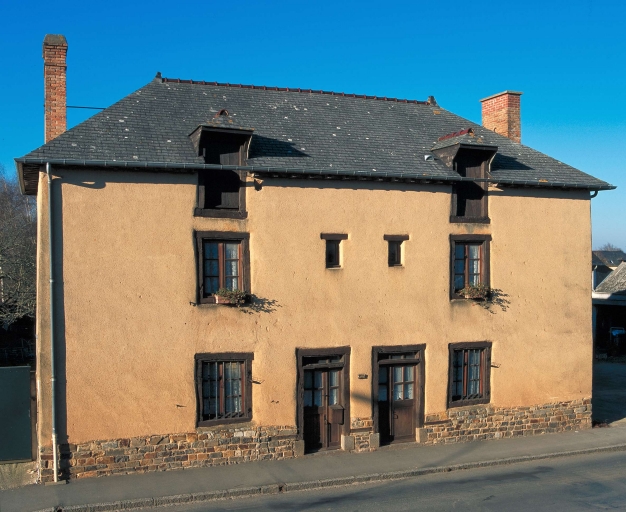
column 55, row 454
column 365, row 175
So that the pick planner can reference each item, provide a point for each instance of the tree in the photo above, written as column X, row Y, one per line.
column 18, row 252
column 609, row 247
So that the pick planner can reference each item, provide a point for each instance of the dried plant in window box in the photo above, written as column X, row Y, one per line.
column 234, row 297
column 475, row 292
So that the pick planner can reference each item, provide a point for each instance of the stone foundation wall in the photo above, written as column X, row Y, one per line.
column 487, row 422
column 218, row 446
column 362, row 429
column 213, row 447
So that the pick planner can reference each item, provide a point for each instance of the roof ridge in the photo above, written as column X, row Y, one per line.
column 430, row 101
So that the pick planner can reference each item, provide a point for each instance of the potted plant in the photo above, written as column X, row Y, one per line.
column 234, row 297
column 475, row 292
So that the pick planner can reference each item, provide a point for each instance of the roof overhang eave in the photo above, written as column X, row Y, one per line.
column 297, row 172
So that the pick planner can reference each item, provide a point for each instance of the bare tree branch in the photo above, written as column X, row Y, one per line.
column 18, row 251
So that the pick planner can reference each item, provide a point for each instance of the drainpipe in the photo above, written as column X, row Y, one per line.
column 55, row 454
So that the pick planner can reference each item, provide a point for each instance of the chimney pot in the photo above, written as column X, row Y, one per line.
column 501, row 113
column 54, row 76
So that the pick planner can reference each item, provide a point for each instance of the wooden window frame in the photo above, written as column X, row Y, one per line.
column 485, row 373
column 344, row 365
column 246, row 359
column 420, row 377
column 240, row 213
column 244, row 259
column 395, row 239
column 485, row 262
column 335, row 239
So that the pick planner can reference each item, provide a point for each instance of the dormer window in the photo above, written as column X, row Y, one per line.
column 469, row 156
column 222, row 142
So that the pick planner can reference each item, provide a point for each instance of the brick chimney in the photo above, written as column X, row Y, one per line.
column 501, row 113
column 54, row 72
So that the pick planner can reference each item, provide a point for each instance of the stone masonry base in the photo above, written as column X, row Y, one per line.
column 487, row 422
column 219, row 446
column 213, row 447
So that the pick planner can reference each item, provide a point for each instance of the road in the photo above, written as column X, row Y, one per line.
column 596, row 481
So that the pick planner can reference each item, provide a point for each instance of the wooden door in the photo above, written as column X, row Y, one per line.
column 323, row 409
column 396, row 402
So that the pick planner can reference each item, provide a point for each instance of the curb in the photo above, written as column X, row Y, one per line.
column 245, row 492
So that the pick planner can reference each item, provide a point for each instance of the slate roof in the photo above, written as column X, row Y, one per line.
column 609, row 258
column 305, row 132
column 615, row 283
column 468, row 138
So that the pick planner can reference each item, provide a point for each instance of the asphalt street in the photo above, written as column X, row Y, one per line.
column 589, row 482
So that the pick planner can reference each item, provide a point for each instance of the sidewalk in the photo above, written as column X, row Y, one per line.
column 308, row 472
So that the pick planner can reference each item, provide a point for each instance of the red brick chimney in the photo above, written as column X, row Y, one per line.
column 54, row 72
column 501, row 113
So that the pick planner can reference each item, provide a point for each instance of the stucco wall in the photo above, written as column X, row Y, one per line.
column 130, row 329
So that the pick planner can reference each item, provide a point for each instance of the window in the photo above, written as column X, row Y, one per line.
column 221, row 193
column 469, row 203
column 333, row 243
column 223, row 262
column 394, row 249
column 470, row 369
column 224, row 388
column 469, row 262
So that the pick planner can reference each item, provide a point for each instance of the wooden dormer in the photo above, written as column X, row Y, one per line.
column 470, row 157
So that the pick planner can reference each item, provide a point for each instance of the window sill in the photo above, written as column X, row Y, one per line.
column 220, row 214
column 215, row 423
column 469, row 220
column 216, row 300
column 468, row 403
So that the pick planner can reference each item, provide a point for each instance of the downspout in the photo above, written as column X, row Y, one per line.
column 55, row 454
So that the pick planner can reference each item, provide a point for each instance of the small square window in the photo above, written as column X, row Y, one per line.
column 223, row 383
column 333, row 248
column 470, row 370
column 394, row 249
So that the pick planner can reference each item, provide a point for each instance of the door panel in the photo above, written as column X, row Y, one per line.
column 396, row 402
column 323, row 410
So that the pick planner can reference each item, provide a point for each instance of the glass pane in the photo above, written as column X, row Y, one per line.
column 236, row 388
column 211, row 268
column 408, row 391
column 474, row 279
column 231, row 283
column 332, row 247
column 232, row 268
column 474, row 267
column 382, row 375
column 334, row 396
column 206, row 388
column 213, row 389
column 232, row 251
column 212, row 371
column 459, row 282
column 229, row 405
column 308, row 380
column 210, row 250
column 397, row 392
column 459, row 251
column 397, row 373
column 396, row 356
column 211, row 285
column 408, row 373
column 317, row 380
column 459, row 266
column 228, row 370
column 317, row 398
column 237, row 404
column 474, row 357
column 236, row 370
column 334, row 378
column 474, row 251
column 382, row 393
column 308, row 398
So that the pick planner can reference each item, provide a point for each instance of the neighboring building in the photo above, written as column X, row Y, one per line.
column 605, row 262
column 356, row 224
column 609, row 311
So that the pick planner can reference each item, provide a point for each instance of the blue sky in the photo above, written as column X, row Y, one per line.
column 567, row 57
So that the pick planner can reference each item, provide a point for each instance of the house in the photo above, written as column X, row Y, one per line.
column 609, row 312
column 605, row 262
column 354, row 225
